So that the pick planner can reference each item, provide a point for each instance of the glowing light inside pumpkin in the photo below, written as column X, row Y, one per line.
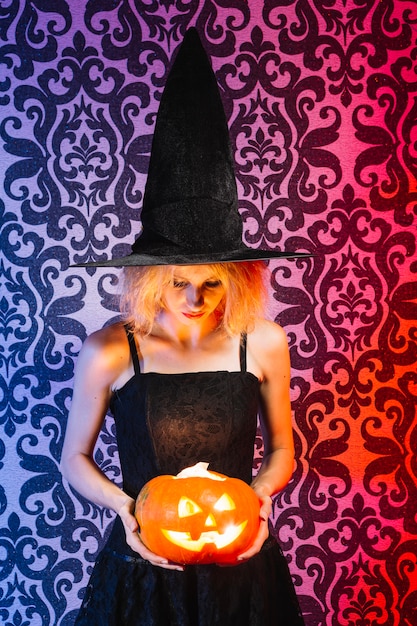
column 187, row 508
column 220, row 540
column 225, row 503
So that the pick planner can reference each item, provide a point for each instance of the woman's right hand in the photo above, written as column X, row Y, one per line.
column 131, row 526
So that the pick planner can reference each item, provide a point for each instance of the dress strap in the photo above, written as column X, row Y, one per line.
column 133, row 350
column 242, row 351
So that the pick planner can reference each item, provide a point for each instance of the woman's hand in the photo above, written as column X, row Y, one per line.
column 131, row 526
column 263, row 533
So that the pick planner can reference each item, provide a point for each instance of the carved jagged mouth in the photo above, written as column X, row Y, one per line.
column 220, row 540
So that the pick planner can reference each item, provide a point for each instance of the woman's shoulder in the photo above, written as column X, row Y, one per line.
column 268, row 335
column 110, row 335
column 267, row 347
column 106, row 349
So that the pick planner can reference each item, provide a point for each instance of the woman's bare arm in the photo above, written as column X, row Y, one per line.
column 102, row 360
column 269, row 347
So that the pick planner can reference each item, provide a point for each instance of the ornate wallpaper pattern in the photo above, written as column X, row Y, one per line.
column 321, row 98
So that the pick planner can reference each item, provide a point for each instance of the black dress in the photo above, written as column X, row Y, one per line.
column 164, row 423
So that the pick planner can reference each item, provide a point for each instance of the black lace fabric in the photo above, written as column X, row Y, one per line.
column 203, row 417
column 124, row 591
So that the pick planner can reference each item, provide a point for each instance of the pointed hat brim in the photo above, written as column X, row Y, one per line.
column 234, row 256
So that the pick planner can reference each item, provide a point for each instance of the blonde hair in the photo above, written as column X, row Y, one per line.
column 141, row 297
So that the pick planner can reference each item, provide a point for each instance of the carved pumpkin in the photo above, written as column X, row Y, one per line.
column 197, row 516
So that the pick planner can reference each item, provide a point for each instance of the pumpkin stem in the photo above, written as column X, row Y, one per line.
column 199, row 470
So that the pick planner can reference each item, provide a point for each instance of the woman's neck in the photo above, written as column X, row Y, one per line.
column 188, row 336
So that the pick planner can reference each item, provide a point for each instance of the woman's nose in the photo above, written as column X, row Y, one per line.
column 194, row 296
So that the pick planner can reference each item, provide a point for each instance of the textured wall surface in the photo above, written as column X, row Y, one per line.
column 321, row 97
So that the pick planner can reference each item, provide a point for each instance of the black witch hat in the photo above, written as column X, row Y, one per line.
column 190, row 207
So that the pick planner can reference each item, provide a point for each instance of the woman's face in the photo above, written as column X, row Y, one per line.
column 193, row 294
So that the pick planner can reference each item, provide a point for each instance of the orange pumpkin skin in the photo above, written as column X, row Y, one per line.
column 197, row 519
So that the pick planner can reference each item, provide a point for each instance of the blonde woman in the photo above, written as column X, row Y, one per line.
column 185, row 376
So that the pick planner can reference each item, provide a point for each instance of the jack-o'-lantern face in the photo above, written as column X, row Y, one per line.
column 197, row 516
column 216, row 529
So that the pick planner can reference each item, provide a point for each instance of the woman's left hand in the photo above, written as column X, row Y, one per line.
column 263, row 533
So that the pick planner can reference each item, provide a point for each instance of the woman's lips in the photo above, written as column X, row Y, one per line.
column 193, row 315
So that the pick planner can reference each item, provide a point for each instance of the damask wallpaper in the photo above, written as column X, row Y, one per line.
column 321, row 98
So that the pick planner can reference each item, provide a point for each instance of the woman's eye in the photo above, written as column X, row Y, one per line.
column 213, row 284
column 179, row 284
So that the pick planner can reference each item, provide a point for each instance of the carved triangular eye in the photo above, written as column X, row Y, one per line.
column 225, row 503
column 187, row 507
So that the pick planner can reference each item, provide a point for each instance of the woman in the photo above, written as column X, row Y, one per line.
column 187, row 322
column 185, row 375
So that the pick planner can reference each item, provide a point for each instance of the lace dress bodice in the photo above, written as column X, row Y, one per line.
column 166, row 422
